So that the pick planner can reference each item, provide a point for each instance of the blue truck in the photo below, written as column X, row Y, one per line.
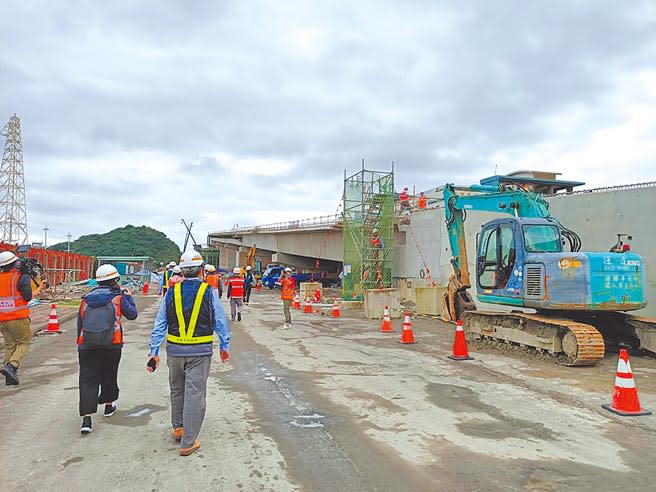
column 272, row 274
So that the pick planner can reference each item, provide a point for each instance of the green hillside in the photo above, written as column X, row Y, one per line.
column 126, row 241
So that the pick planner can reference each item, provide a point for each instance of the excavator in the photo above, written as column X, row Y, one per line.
column 530, row 260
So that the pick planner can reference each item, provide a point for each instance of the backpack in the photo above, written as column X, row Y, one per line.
column 100, row 324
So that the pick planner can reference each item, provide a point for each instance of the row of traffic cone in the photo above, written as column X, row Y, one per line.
column 307, row 306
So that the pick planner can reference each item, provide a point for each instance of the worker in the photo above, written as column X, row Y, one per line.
column 166, row 275
column 404, row 199
column 213, row 279
column 236, row 293
column 288, row 286
column 99, row 343
column 188, row 316
column 176, row 276
column 15, row 324
column 421, row 202
column 249, row 281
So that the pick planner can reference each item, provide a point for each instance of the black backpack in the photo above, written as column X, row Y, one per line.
column 99, row 324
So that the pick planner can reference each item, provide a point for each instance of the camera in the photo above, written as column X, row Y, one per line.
column 31, row 267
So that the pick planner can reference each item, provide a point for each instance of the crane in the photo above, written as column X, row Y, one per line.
column 521, row 262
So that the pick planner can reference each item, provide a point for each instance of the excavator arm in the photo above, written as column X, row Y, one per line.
column 457, row 200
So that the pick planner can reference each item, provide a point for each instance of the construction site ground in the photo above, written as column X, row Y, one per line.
column 332, row 405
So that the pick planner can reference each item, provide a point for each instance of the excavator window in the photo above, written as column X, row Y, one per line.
column 542, row 239
column 496, row 258
column 506, row 255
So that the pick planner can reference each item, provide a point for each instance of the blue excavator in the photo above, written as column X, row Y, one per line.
column 530, row 260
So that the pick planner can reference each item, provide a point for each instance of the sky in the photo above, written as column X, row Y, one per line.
column 249, row 112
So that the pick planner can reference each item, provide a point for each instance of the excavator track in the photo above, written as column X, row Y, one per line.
column 571, row 343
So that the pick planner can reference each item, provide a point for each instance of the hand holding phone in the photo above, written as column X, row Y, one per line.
column 152, row 364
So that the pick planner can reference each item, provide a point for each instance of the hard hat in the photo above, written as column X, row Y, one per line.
column 190, row 259
column 207, row 267
column 211, row 269
column 236, row 270
column 374, row 231
column 405, row 187
column 106, row 272
column 177, row 269
column 171, row 264
column 248, row 267
column 7, row 257
column 288, row 270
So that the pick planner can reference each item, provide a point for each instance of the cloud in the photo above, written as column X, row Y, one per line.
column 249, row 112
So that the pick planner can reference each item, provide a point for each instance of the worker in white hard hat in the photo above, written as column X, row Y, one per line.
column 15, row 325
column 404, row 199
column 100, row 343
column 213, row 279
column 287, row 289
column 166, row 276
column 188, row 317
column 249, row 281
column 176, row 276
column 236, row 293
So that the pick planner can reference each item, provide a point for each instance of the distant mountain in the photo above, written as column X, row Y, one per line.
column 126, row 241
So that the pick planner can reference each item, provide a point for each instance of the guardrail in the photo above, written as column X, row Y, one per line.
column 311, row 223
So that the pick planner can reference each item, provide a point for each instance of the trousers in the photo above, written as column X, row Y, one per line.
column 247, row 294
column 286, row 303
column 98, row 371
column 188, row 384
column 236, row 306
column 18, row 337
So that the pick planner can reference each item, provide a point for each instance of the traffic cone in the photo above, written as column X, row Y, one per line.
column 297, row 302
column 407, row 336
column 625, row 394
column 335, row 312
column 460, row 351
column 386, row 324
column 53, row 322
column 258, row 287
column 145, row 288
column 307, row 307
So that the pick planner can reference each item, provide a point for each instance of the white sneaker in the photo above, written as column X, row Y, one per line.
column 285, row 326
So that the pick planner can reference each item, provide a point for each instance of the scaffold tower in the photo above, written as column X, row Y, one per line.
column 13, row 215
column 368, row 232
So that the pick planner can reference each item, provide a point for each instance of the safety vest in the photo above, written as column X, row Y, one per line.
column 422, row 202
column 212, row 279
column 12, row 304
column 403, row 196
column 236, row 287
column 117, row 337
column 287, row 285
column 167, row 276
column 188, row 330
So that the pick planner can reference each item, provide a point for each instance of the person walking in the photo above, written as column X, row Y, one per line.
column 213, row 279
column 15, row 324
column 176, row 276
column 249, row 281
column 166, row 276
column 99, row 343
column 188, row 316
column 236, row 293
column 287, row 286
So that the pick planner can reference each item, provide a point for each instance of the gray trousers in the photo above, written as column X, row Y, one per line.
column 236, row 306
column 188, row 383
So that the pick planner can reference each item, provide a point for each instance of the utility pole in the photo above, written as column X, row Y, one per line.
column 68, row 248
column 45, row 238
column 13, row 215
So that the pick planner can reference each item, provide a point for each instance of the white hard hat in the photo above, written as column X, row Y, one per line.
column 190, row 259
column 374, row 231
column 236, row 270
column 106, row 272
column 177, row 269
column 207, row 267
column 7, row 257
column 288, row 270
column 211, row 268
column 248, row 267
column 405, row 187
column 171, row 264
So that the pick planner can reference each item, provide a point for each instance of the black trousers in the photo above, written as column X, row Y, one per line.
column 98, row 372
column 247, row 293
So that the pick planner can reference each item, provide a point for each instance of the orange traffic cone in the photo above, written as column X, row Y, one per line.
column 53, row 322
column 335, row 312
column 297, row 302
column 625, row 394
column 407, row 336
column 460, row 351
column 258, row 287
column 307, row 307
column 386, row 324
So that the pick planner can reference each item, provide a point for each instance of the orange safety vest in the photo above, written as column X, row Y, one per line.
column 287, row 286
column 117, row 338
column 12, row 304
column 212, row 280
column 422, row 202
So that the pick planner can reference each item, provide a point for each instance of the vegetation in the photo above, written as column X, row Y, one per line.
column 126, row 241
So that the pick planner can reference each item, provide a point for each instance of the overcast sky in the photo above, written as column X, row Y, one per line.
column 248, row 112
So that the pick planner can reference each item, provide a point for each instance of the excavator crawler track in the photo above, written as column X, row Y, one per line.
column 570, row 342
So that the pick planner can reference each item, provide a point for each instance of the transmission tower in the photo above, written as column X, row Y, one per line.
column 13, row 217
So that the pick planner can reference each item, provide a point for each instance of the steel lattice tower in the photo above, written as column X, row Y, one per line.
column 13, row 216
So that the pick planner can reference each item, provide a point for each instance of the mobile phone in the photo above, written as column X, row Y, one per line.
column 152, row 364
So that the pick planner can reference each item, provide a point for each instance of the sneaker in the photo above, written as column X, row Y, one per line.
column 110, row 409
column 238, row 316
column 187, row 451
column 285, row 326
column 177, row 433
column 86, row 425
column 11, row 375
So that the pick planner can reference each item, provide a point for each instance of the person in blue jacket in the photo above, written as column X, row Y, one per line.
column 188, row 317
